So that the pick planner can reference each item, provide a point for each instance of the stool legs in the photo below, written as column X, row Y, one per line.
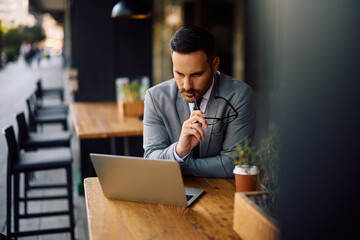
column 16, row 201
column 70, row 201
column 26, row 185
column 8, row 204
column 28, row 176
column 65, row 126
column 13, row 191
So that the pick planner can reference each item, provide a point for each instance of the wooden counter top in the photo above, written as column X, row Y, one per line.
column 102, row 120
column 209, row 217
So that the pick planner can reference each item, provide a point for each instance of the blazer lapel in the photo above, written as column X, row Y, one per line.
column 211, row 110
column 182, row 108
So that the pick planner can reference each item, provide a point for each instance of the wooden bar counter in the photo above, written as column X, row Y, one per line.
column 103, row 120
column 209, row 217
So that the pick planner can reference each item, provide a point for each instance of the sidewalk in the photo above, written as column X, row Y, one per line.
column 17, row 82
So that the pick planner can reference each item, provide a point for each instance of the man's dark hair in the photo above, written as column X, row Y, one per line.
column 191, row 39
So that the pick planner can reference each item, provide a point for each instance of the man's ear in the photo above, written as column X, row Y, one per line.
column 215, row 65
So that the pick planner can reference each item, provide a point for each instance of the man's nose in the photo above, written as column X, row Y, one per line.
column 187, row 83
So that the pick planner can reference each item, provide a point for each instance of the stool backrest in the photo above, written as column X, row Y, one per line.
column 23, row 132
column 39, row 88
column 38, row 98
column 31, row 108
column 13, row 150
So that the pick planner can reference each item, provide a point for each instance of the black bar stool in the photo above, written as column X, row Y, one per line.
column 40, row 106
column 32, row 141
column 40, row 118
column 49, row 92
column 23, row 162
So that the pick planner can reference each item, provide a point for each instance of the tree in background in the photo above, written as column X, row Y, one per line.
column 32, row 34
column 13, row 39
column 1, row 47
column 0, row 38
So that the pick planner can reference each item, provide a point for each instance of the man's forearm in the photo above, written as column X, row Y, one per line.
column 158, row 153
column 218, row 166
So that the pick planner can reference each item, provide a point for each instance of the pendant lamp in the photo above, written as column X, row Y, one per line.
column 130, row 9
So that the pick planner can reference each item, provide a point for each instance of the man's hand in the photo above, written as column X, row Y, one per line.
column 191, row 133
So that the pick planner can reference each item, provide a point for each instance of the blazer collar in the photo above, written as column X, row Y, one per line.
column 182, row 107
column 211, row 110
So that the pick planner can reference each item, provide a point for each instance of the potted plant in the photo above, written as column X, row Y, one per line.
column 128, row 99
column 255, row 212
column 267, row 160
column 131, row 91
column 257, row 167
column 246, row 170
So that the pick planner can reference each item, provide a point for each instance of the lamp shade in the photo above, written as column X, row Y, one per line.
column 130, row 9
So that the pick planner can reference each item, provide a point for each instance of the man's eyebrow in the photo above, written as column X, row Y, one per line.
column 199, row 72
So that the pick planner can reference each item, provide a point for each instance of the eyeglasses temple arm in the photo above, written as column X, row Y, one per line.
column 232, row 107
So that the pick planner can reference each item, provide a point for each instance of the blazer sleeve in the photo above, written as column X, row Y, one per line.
column 242, row 127
column 156, row 141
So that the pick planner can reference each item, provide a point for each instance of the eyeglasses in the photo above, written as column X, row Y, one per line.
column 223, row 120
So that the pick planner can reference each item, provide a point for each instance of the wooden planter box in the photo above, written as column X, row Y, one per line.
column 130, row 109
column 250, row 221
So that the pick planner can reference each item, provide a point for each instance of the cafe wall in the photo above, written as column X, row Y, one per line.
column 93, row 45
column 261, row 29
column 302, row 59
column 105, row 48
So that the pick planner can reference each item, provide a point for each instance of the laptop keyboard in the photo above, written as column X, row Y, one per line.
column 188, row 197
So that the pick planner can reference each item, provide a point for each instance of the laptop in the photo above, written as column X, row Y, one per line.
column 143, row 180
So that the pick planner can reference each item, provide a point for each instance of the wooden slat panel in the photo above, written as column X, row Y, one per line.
column 250, row 222
column 102, row 120
column 210, row 217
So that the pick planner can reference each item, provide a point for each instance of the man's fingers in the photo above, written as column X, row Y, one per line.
column 202, row 121
column 195, row 129
column 195, row 133
column 191, row 134
column 197, row 112
column 198, row 117
column 197, row 126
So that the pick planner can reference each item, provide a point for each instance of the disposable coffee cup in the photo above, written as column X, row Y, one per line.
column 245, row 178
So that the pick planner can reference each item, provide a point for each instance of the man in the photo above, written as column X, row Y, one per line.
column 203, row 140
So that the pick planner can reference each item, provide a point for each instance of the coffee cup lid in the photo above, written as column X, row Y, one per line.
column 245, row 170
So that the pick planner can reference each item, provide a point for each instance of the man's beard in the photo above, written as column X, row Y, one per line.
column 197, row 93
column 194, row 92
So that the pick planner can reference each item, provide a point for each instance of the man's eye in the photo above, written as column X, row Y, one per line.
column 197, row 74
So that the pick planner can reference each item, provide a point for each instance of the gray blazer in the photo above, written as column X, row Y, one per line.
column 165, row 111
